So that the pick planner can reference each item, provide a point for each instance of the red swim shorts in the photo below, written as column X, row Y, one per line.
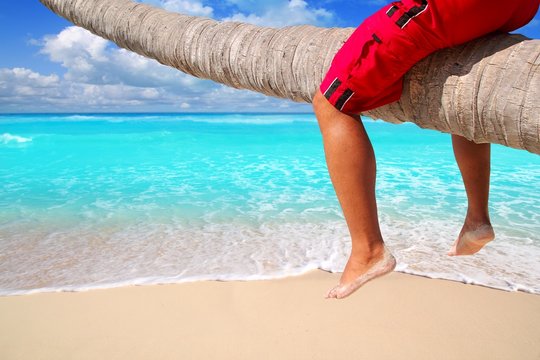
column 367, row 72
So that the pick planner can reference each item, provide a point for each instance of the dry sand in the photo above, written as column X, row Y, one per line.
column 396, row 317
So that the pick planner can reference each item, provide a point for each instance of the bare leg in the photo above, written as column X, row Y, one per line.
column 475, row 165
column 351, row 164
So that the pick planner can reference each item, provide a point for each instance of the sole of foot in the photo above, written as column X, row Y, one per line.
column 384, row 266
column 470, row 242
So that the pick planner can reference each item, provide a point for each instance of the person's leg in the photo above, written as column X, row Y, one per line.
column 351, row 164
column 475, row 165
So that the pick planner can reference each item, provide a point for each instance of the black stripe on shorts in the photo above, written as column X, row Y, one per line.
column 414, row 11
column 391, row 11
column 332, row 88
column 347, row 94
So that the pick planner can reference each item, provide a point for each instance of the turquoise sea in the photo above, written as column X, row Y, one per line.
column 104, row 200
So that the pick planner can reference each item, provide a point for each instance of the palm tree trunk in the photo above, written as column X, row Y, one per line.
column 487, row 90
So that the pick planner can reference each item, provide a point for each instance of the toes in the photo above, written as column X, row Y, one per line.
column 344, row 292
column 340, row 291
column 380, row 268
column 332, row 293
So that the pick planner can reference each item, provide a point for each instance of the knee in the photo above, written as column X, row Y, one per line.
column 319, row 102
column 329, row 118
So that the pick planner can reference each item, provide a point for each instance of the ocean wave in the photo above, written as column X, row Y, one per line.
column 82, row 117
column 7, row 138
column 91, row 257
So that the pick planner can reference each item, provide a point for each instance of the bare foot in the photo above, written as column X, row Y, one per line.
column 472, row 239
column 358, row 273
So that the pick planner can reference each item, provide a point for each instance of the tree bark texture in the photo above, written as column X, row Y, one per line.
column 487, row 90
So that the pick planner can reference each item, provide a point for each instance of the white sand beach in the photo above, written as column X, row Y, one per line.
column 398, row 316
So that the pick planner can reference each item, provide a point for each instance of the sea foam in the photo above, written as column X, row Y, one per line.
column 7, row 138
column 80, row 257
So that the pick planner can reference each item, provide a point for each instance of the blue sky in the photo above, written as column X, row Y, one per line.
column 47, row 65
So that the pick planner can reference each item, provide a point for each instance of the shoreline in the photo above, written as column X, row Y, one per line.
column 152, row 282
column 396, row 316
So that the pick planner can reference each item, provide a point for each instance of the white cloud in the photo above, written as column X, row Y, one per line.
column 25, row 83
column 275, row 13
column 113, row 95
column 195, row 8
column 24, row 76
column 25, row 90
column 101, row 77
column 279, row 13
column 74, row 47
column 90, row 59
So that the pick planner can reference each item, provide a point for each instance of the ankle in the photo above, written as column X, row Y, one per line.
column 477, row 217
column 476, row 221
column 368, row 250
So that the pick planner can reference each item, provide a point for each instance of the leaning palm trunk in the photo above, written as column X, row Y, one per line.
column 487, row 90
